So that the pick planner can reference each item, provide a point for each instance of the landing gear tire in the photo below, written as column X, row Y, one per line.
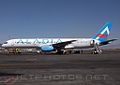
column 97, row 52
column 60, row 52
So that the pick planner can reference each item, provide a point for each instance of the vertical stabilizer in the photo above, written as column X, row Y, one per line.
column 104, row 32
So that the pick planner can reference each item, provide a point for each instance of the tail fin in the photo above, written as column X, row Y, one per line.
column 104, row 32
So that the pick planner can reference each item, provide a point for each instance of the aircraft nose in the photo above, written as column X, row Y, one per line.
column 3, row 45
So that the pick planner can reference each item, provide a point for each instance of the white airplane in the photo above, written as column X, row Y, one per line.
column 61, row 45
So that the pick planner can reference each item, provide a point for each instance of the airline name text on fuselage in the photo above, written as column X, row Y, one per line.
column 38, row 41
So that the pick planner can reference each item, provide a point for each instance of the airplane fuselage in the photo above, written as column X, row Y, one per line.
column 38, row 42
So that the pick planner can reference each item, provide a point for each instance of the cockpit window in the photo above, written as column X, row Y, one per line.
column 5, row 42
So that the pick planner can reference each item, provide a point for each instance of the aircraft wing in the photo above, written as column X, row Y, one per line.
column 107, row 42
column 61, row 45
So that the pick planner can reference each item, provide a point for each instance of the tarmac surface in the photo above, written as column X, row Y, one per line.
column 73, row 69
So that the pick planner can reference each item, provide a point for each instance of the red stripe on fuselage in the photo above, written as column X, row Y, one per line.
column 102, row 35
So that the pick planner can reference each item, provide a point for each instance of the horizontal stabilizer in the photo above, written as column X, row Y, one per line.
column 107, row 42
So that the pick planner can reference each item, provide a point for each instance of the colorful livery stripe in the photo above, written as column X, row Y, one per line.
column 102, row 35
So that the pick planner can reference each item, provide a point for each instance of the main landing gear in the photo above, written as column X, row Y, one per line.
column 96, row 50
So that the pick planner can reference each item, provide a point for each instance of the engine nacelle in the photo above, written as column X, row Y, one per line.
column 69, row 47
column 47, row 48
column 92, row 42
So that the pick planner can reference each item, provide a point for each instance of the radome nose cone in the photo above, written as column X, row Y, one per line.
column 3, row 45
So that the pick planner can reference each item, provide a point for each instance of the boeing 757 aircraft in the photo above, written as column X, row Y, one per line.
column 61, row 45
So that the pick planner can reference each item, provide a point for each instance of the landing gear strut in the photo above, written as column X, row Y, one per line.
column 97, row 50
column 64, row 52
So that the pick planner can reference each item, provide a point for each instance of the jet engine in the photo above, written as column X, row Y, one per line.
column 47, row 48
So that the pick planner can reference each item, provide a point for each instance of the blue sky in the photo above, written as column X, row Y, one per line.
column 57, row 18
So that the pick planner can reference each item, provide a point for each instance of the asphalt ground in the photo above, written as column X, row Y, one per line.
column 73, row 69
